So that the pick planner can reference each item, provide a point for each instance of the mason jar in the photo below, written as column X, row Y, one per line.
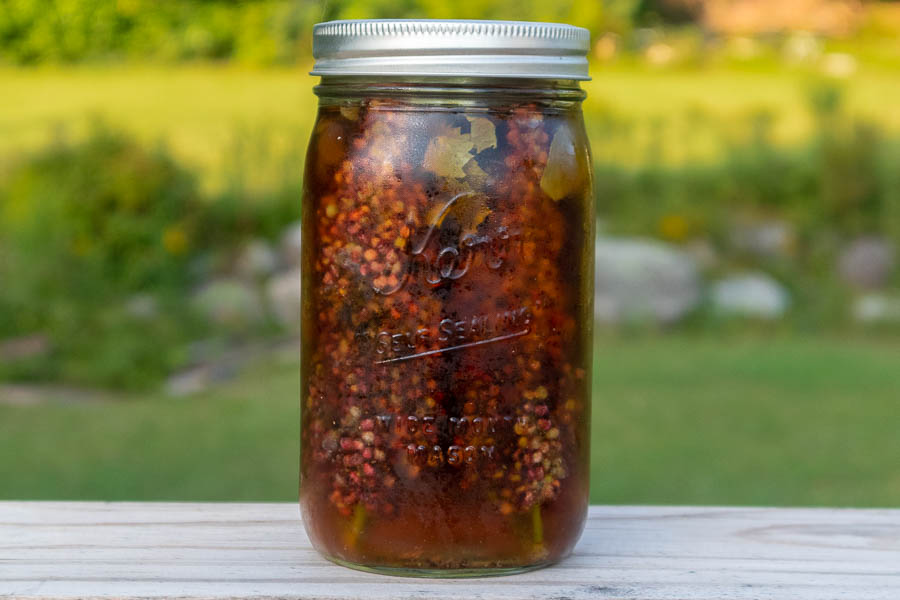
column 447, row 297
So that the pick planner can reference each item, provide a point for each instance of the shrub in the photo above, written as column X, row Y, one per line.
column 842, row 183
column 83, row 228
column 257, row 31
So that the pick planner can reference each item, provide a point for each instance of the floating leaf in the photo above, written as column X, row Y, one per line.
column 469, row 210
column 565, row 172
column 380, row 130
column 475, row 175
column 350, row 113
column 483, row 133
column 382, row 142
column 447, row 154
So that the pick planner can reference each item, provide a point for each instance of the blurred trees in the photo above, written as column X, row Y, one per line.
column 254, row 31
column 103, row 241
column 260, row 31
column 279, row 31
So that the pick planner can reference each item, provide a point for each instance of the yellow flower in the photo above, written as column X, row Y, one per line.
column 175, row 240
column 674, row 228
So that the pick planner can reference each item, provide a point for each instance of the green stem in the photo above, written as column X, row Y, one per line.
column 356, row 525
column 537, row 525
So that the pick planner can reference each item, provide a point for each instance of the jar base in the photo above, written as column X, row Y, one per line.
column 428, row 573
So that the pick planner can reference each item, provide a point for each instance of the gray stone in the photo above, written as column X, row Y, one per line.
column 205, row 350
column 875, row 308
column 142, row 306
column 229, row 303
column 290, row 245
column 24, row 347
column 202, row 267
column 221, row 363
column 41, row 393
column 839, row 65
column 867, row 262
column 766, row 239
column 802, row 47
column 703, row 253
column 751, row 295
column 199, row 379
column 256, row 261
column 645, row 279
column 20, row 395
column 283, row 293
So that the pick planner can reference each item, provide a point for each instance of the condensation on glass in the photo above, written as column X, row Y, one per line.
column 447, row 288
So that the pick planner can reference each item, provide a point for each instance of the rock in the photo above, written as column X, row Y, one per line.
column 839, row 65
column 142, row 306
column 703, row 253
column 219, row 363
column 290, row 245
column 750, row 295
column 202, row 267
column 643, row 279
column 283, row 293
column 867, row 262
column 256, row 261
column 42, row 393
column 229, row 303
column 198, row 379
column 802, row 47
column 660, row 54
column 205, row 350
column 767, row 239
column 21, row 395
column 877, row 308
column 25, row 347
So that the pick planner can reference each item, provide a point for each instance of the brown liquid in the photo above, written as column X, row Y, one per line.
column 446, row 336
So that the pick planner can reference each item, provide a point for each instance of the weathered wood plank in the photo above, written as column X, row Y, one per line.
column 134, row 550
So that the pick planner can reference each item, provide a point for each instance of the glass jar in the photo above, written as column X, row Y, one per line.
column 447, row 297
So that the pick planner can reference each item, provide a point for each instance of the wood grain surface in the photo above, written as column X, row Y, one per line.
column 143, row 550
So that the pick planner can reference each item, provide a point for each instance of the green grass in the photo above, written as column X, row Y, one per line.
column 780, row 421
column 676, row 420
column 204, row 113
column 239, row 442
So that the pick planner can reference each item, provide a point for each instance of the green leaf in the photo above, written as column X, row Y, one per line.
column 483, row 134
column 447, row 154
column 565, row 172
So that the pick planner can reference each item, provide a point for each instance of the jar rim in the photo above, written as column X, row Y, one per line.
column 443, row 48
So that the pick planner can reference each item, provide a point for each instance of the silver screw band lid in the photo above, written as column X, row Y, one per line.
column 450, row 48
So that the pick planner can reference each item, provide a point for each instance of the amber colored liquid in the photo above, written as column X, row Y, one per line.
column 446, row 336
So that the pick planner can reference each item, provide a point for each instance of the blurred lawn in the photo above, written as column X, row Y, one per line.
column 201, row 112
column 679, row 419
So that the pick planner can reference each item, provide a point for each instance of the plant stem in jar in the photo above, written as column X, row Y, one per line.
column 537, row 525
column 357, row 524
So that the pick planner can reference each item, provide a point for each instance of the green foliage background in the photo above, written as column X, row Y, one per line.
column 249, row 31
column 143, row 143
column 148, row 206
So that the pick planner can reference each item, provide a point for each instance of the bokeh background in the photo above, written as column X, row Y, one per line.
column 747, row 157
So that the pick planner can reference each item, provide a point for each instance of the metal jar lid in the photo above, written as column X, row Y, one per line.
column 450, row 48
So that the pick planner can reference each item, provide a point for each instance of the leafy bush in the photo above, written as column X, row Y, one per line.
column 103, row 241
column 84, row 228
column 841, row 184
column 251, row 31
column 258, row 31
